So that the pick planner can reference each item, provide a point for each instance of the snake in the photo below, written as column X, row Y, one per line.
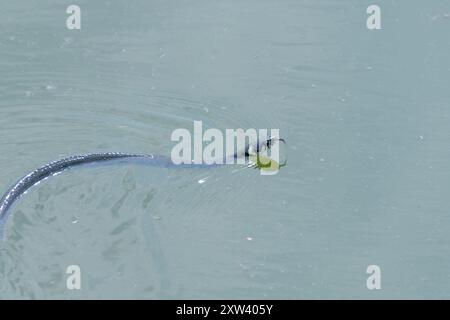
column 18, row 189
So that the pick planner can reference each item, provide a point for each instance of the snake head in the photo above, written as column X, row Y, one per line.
column 261, row 145
column 259, row 159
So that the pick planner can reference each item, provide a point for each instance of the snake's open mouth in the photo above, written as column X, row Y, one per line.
column 260, row 159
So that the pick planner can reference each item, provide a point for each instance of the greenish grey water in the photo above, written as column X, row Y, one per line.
column 365, row 114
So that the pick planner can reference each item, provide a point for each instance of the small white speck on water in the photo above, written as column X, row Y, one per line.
column 50, row 86
column 156, row 217
column 74, row 220
column 206, row 109
column 68, row 40
column 421, row 137
column 249, row 238
column 322, row 160
column 202, row 180
column 244, row 266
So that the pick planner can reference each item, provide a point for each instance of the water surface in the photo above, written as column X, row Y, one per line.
column 365, row 114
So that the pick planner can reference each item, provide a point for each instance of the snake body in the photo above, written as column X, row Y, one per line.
column 55, row 167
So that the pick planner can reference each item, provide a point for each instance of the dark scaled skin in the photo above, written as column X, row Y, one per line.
column 52, row 168
column 21, row 186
